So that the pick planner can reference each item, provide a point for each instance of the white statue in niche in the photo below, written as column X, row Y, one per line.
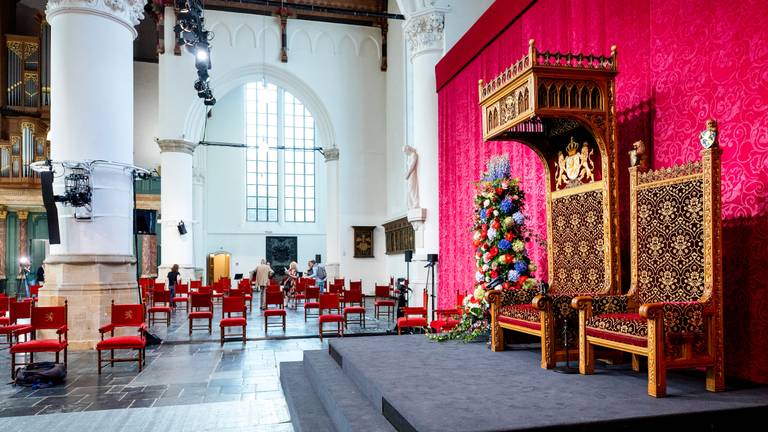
column 412, row 177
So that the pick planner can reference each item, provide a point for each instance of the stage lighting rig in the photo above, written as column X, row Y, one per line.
column 190, row 32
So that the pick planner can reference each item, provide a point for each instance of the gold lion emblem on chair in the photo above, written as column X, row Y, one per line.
column 571, row 170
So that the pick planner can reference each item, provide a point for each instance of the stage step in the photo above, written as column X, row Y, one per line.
column 307, row 412
column 346, row 406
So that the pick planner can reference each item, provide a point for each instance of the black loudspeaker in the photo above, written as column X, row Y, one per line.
column 49, row 201
column 146, row 221
column 317, row 258
column 431, row 258
column 408, row 256
column 182, row 228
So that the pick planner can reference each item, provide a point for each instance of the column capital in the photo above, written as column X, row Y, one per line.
column 3, row 213
column 126, row 12
column 331, row 154
column 22, row 215
column 176, row 146
column 425, row 31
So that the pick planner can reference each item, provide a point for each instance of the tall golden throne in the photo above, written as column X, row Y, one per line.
column 562, row 105
column 673, row 312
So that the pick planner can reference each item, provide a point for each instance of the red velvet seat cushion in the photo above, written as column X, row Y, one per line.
column 121, row 342
column 299, row 296
column 39, row 345
column 443, row 325
column 331, row 318
column 628, row 328
column 233, row 322
column 354, row 310
column 201, row 314
column 525, row 312
column 159, row 309
column 4, row 321
column 412, row 322
column 274, row 312
column 12, row 328
column 384, row 303
column 311, row 305
column 180, row 299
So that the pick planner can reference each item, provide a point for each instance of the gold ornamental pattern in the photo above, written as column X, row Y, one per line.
column 670, row 235
column 578, row 243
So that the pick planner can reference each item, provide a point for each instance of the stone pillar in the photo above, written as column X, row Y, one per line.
column 332, row 231
column 176, row 206
column 424, row 35
column 92, row 119
column 3, row 235
column 23, row 247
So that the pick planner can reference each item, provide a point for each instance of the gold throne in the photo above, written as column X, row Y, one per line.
column 673, row 312
column 562, row 105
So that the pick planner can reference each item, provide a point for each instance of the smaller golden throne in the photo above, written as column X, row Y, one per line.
column 673, row 312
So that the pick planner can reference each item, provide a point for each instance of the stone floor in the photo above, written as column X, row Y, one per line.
column 189, row 383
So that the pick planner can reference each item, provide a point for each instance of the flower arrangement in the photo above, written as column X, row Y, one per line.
column 499, row 236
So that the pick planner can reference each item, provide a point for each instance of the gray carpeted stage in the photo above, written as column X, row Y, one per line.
column 408, row 383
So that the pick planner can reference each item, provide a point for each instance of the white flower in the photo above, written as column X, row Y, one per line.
column 495, row 212
column 491, row 234
column 478, row 276
column 486, row 203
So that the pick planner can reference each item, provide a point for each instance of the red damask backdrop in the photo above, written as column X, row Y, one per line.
column 680, row 62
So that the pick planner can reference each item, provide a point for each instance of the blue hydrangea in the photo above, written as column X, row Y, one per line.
column 483, row 215
column 504, row 245
column 521, row 266
column 513, row 276
column 519, row 218
column 506, row 206
column 498, row 168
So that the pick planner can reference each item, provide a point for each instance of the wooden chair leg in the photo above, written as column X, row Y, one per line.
column 13, row 366
column 210, row 326
column 98, row 357
column 222, row 336
column 190, row 326
column 586, row 351
column 283, row 322
column 244, row 337
column 635, row 362
column 141, row 358
column 548, row 360
column 111, row 358
column 657, row 367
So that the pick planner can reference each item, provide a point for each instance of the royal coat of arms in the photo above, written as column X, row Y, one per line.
column 708, row 137
column 574, row 168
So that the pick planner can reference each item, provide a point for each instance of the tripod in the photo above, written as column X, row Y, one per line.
column 431, row 273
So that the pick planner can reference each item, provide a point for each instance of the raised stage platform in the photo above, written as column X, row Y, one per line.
column 408, row 383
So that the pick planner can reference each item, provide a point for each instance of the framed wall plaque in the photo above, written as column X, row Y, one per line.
column 363, row 241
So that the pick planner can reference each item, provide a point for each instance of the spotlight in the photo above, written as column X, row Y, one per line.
column 202, row 53
column 23, row 261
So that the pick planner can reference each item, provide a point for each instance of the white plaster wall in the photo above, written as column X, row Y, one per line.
column 146, row 153
column 463, row 14
column 338, row 66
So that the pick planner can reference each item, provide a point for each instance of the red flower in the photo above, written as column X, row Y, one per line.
column 499, row 191
column 494, row 274
column 509, row 236
column 494, row 251
column 506, row 285
column 496, row 224
column 508, row 258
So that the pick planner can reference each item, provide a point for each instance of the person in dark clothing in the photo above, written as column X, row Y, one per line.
column 40, row 275
column 173, row 279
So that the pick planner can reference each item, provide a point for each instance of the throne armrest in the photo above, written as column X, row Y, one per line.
column 23, row 330
column 62, row 330
column 678, row 317
column 542, row 302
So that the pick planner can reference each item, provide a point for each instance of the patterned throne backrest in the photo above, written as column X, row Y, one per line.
column 578, row 242
column 672, row 216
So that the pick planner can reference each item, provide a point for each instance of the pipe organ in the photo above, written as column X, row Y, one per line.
column 25, row 115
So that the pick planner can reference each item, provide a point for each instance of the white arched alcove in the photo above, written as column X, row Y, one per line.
column 238, row 77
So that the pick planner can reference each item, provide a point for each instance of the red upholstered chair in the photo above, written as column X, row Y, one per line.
column 229, row 306
column 123, row 315
column 299, row 293
column 311, row 301
column 159, row 286
column 338, row 281
column 42, row 318
column 330, row 302
column 225, row 284
column 414, row 317
column 356, row 285
column 4, row 302
column 274, row 307
column 217, row 290
column 200, row 307
column 336, row 287
column 447, row 319
column 204, row 289
column 247, row 291
column 195, row 285
column 146, row 285
column 34, row 292
column 181, row 295
column 351, row 298
column 161, row 304
column 383, row 300
column 16, row 311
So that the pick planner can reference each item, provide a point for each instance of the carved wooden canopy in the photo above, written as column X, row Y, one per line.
column 562, row 105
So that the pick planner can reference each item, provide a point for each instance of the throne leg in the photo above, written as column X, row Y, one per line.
column 657, row 367
column 586, row 352
column 547, row 340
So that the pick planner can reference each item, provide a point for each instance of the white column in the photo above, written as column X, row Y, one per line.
column 176, row 206
column 92, row 119
column 332, row 231
column 424, row 35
